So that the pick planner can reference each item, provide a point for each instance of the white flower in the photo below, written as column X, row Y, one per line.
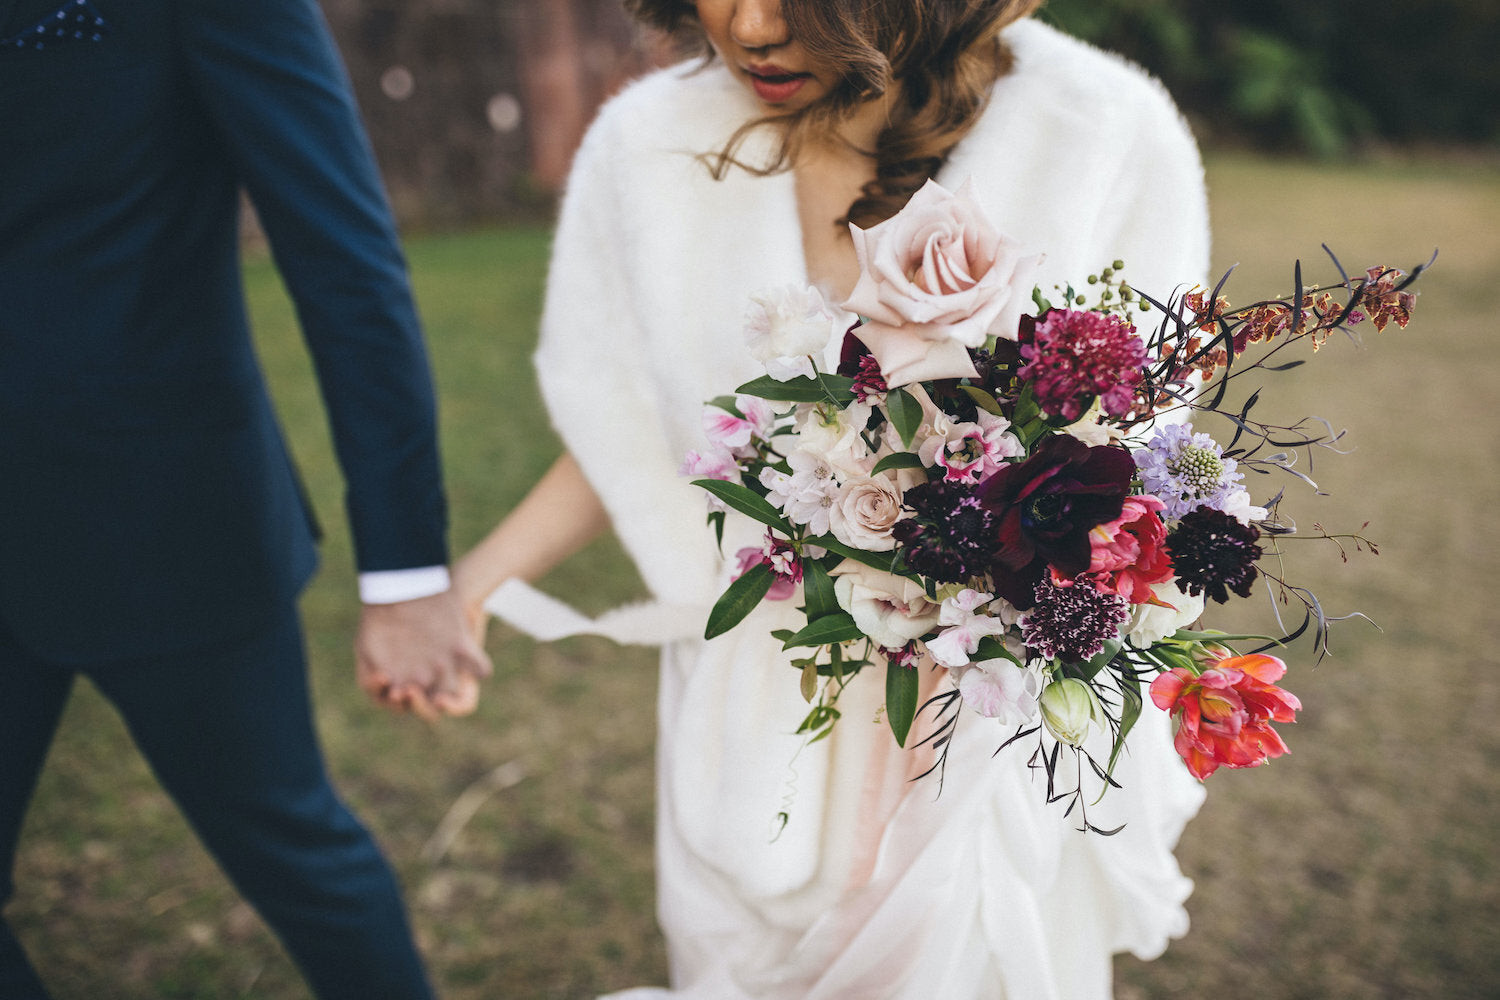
column 865, row 513
column 1151, row 622
column 785, row 326
column 891, row 610
column 1090, row 431
column 953, row 646
column 998, row 689
column 833, row 434
column 1238, row 506
column 807, row 495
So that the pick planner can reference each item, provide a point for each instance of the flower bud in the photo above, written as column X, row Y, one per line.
column 1208, row 654
column 1068, row 707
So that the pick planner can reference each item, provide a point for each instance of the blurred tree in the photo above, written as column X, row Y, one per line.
column 1317, row 77
column 475, row 106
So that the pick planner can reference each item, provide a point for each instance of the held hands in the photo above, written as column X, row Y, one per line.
column 420, row 656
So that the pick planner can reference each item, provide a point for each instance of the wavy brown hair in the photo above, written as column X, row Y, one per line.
column 943, row 55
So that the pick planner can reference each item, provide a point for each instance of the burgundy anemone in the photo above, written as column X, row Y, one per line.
column 1044, row 508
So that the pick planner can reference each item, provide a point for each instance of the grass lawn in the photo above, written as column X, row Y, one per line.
column 1362, row 866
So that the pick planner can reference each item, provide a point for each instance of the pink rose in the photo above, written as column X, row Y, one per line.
column 935, row 280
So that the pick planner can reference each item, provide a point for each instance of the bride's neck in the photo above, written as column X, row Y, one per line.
column 831, row 173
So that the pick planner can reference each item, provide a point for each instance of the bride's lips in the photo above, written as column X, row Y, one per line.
column 773, row 84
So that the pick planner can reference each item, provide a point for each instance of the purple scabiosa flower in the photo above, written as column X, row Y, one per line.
column 951, row 536
column 1072, row 621
column 1213, row 552
column 1075, row 355
column 1186, row 471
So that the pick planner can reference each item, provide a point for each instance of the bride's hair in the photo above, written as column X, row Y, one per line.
column 942, row 54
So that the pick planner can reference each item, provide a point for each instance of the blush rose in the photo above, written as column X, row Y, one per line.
column 935, row 280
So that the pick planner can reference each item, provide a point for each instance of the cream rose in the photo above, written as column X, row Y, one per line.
column 891, row 610
column 866, row 512
column 935, row 280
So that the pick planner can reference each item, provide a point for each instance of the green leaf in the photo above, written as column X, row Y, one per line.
column 900, row 700
column 990, row 648
column 738, row 599
column 817, row 588
column 838, row 627
column 746, row 501
column 727, row 404
column 906, row 414
column 809, row 682
column 897, row 460
column 821, row 388
column 1130, row 711
column 887, row 561
column 983, row 399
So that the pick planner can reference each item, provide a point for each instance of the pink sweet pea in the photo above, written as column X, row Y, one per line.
column 1224, row 715
column 953, row 646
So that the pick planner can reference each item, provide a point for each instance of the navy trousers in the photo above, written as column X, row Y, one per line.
column 229, row 734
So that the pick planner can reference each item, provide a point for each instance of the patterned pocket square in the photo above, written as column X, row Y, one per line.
column 74, row 21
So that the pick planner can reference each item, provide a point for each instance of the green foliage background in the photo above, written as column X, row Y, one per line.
column 1320, row 76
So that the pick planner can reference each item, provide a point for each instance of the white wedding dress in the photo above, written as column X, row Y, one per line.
column 869, row 885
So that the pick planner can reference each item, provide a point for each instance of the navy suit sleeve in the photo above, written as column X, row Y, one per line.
column 271, row 81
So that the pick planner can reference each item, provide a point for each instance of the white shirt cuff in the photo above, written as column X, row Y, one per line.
column 391, row 586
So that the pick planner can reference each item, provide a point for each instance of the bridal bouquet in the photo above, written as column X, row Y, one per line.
column 1007, row 484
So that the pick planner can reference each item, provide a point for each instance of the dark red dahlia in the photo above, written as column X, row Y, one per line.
column 1045, row 506
column 1212, row 551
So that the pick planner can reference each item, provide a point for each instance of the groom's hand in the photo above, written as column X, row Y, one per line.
column 420, row 656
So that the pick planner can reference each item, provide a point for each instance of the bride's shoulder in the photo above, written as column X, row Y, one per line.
column 1054, row 70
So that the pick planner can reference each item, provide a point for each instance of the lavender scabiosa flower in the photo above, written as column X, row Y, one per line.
column 1072, row 621
column 1213, row 552
column 950, row 536
column 1075, row 355
column 1186, row 471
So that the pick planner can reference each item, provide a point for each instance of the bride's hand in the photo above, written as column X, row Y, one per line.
column 471, row 596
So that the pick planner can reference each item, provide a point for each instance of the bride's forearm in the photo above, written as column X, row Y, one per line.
column 560, row 515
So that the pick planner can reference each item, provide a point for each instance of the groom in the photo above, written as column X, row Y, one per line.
column 153, row 536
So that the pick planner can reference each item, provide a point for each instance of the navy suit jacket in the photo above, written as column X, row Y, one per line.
column 147, row 502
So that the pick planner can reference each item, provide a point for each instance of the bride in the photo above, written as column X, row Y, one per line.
column 821, row 871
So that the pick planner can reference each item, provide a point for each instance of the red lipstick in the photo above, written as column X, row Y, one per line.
column 773, row 84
